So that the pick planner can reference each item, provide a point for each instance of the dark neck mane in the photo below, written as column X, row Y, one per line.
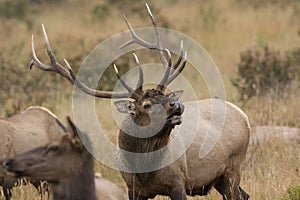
column 80, row 186
column 130, row 143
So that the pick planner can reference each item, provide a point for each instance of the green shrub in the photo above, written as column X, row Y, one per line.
column 109, row 78
column 14, row 9
column 208, row 15
column 294, row 57
column 100, row 12
column 266, row 72
column 293, row 193
column 21, row 88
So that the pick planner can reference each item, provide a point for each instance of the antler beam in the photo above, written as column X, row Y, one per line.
column 68, row 74
column 171, row 73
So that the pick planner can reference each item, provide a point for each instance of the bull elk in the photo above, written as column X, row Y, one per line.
column 151, row 108
column 34, row 127
column 67, row 166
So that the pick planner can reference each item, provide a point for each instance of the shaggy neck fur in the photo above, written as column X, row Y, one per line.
column 78, row 187
column 144, row 144
column 133, row 144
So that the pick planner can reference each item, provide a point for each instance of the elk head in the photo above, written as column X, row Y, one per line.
column 55, row 162
column 143, row 106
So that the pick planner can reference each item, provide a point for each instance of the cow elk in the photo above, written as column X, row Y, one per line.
column 34, row 127
column 67, row 166
column 153, row 110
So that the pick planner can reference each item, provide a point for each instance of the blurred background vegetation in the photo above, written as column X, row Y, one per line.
column 255, row 44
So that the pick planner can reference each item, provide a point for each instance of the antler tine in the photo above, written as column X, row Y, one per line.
column 49, row 51
column 167, row 62
column 159, row 43
column 162, row 85
column 136, row 39
column 55, row 66
column 127, row 87
column 169, row 57
column 178, row 71
column 178, row 61
column 68, row 74
column 139, row 85
column 35, row 60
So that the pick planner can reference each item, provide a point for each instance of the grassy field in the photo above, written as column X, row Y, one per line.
column 224, row 28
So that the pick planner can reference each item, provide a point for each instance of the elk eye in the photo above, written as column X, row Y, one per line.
column 147, row 106
column 53, row 148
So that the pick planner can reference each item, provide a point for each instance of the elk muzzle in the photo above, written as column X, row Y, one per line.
column 8, row 165
column 176, row 110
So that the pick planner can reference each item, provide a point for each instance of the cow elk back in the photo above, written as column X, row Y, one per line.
column 34, row 127
column 67, row 166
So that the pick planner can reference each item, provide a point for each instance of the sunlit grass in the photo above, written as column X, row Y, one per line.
column 229, row 29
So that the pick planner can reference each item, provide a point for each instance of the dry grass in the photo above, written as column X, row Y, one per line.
column 224, row 28
column 268, row 171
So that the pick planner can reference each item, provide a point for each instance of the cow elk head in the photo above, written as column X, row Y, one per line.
column 56, row 161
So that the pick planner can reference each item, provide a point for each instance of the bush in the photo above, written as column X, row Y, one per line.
column 293, row 193
column 14, row 9
column 208, row 15
column 100, row 12
column 294, row 57
column 266, row 72
column 20, row 88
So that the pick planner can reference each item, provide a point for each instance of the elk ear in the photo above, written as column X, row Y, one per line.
column 125, row 106
column 74, row 132
column 174, row 96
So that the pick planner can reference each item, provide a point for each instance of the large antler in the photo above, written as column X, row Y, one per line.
column 135, row 93
column 172, row 71
column 71, row 77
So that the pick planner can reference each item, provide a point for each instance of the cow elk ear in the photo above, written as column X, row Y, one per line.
column 125, row 106
column 174, row 96
column 74, row 135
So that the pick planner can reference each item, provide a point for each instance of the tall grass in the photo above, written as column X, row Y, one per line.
column 224, row 28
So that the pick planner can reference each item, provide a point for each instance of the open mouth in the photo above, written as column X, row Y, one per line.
column 176, row 114
column 175, row 118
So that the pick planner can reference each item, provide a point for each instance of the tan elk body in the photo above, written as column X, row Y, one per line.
column 34, row 127
column 67, row 166
column 192, row 174
column 154, row 118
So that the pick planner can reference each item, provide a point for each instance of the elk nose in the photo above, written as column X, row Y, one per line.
column 173, row 103
column 176, row 104
column 7, row 163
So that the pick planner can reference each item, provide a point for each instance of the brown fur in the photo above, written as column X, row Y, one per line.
column 68, row 167
column 34, row 127
column 190, row 174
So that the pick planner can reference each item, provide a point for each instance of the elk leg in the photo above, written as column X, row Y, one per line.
column 243, row 195
column 7, row 193
column 8, row 184
column 134, row 196
column 228, row 187
column 178, row 194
